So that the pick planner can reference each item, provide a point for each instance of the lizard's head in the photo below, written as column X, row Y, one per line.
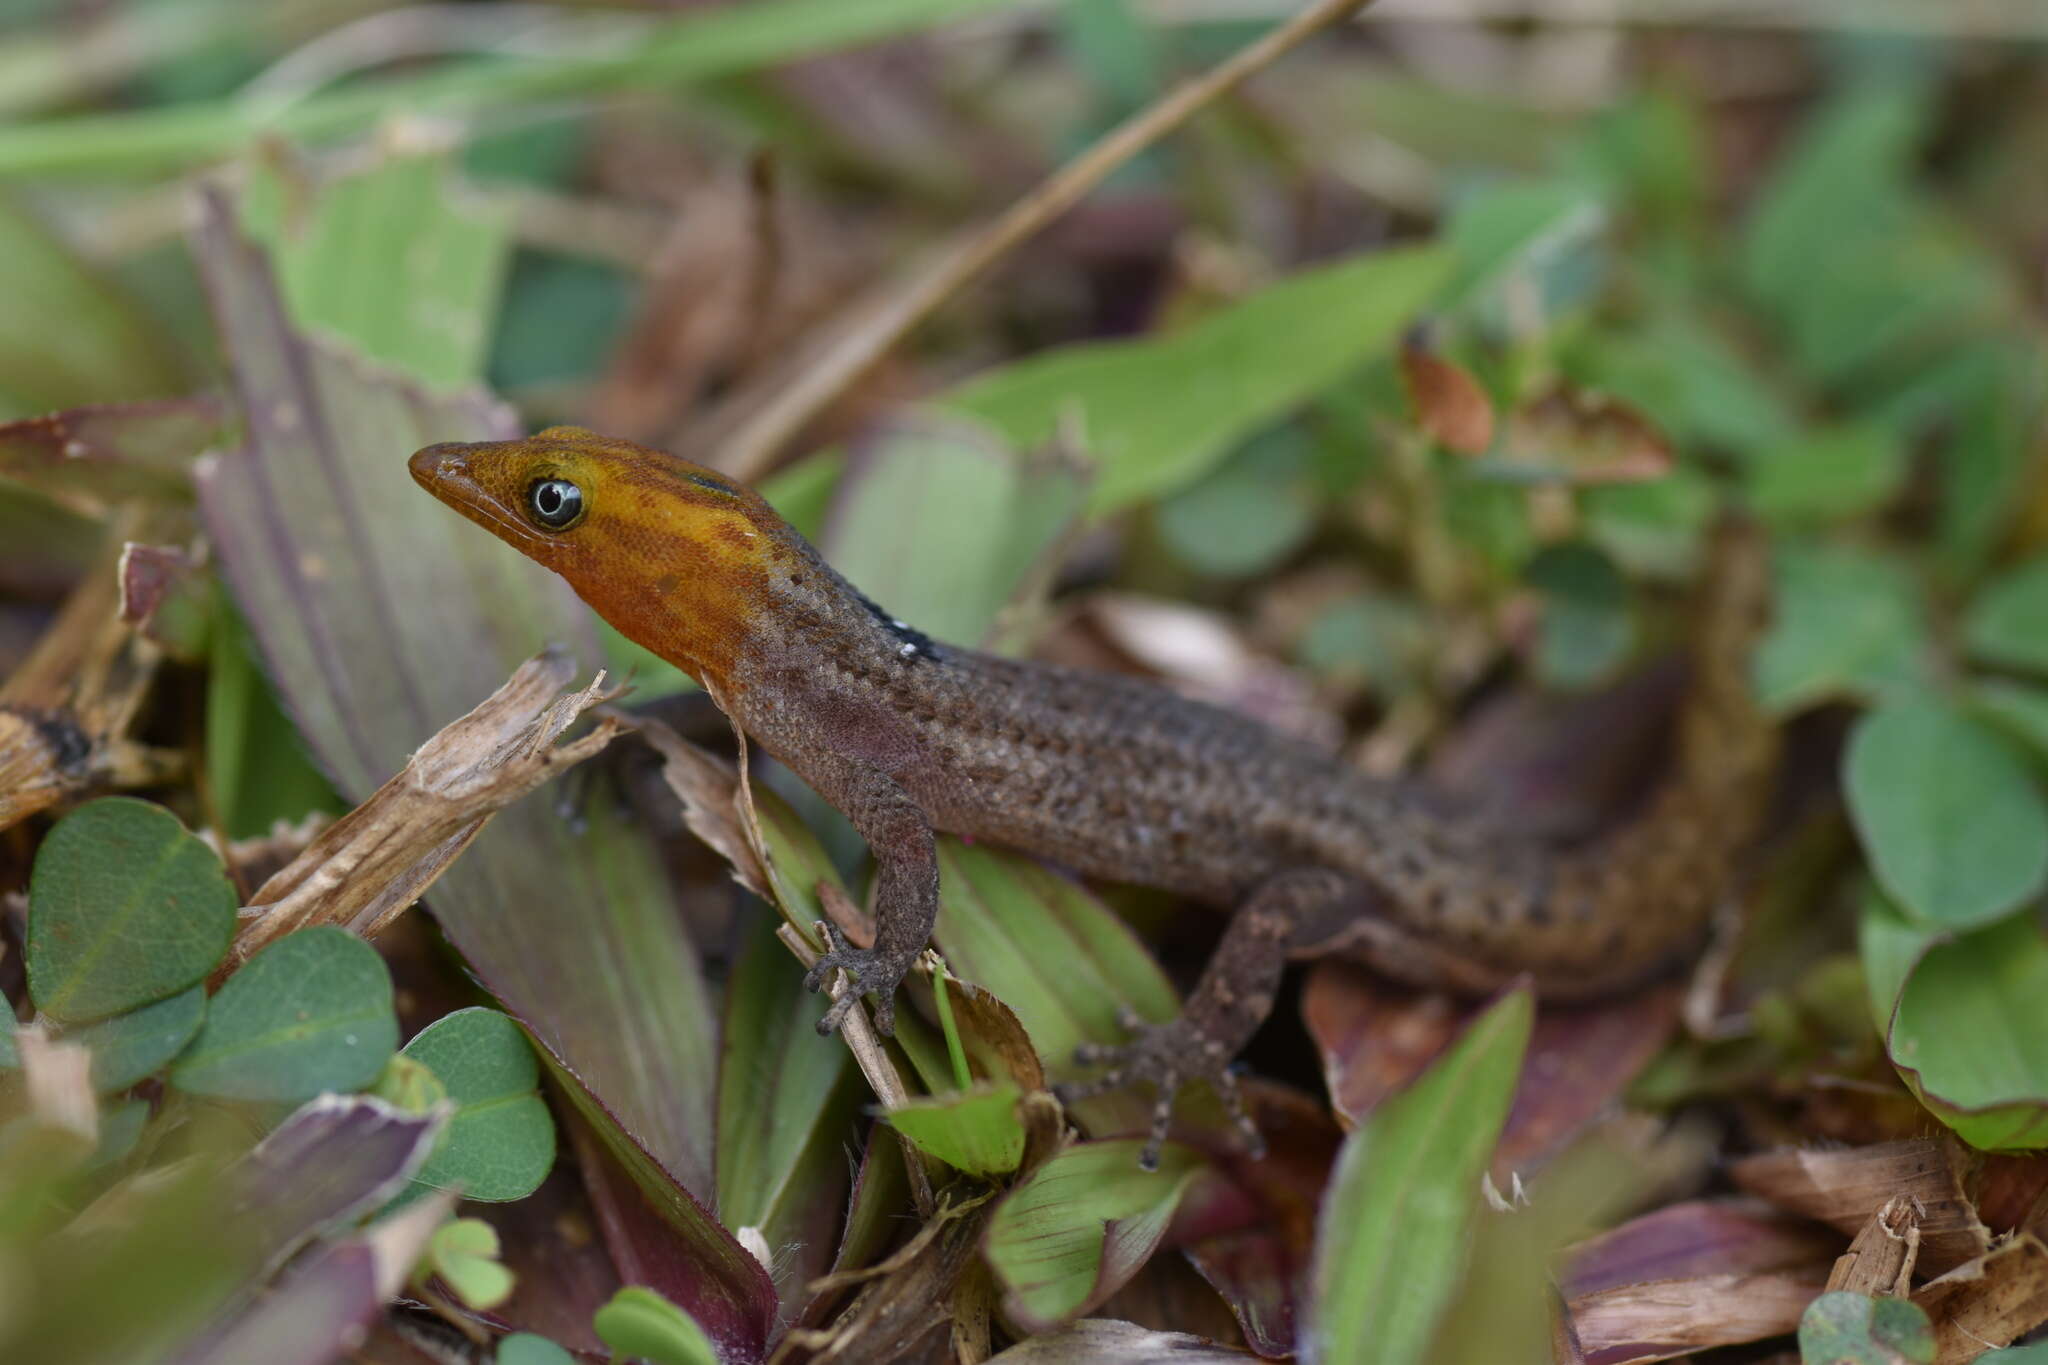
column 675, row 555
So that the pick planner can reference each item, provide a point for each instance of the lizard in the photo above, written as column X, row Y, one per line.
column 1120, row 778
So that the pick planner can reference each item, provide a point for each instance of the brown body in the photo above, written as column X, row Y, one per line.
column 1120, row 778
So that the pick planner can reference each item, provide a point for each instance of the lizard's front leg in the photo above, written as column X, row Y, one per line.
column 1288, row 913
column 906, row 888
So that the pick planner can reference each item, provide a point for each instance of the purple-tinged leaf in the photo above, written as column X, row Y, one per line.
column 661, row 1237
column 1106, row 1341
column 91, row 458
column 323, row 1307
column 335, row 1158
column 316, row 1314
column 381, row 618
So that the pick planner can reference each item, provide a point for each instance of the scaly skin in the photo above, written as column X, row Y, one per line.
column 1122, row 779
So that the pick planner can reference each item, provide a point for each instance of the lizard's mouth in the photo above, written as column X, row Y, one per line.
column 443, row 470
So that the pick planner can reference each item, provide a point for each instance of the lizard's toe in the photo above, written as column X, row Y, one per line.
column 1163, row 1057
column 871, row 973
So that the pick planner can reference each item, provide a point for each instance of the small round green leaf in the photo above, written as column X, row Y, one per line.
column 1954, row 825
column 1828, row 474
column 500, row 1141
column 1587, row 626
column 2008, row 624
column 640, row 1322
column 464, row 1253
column 1970, row 1034
column 524, row 1348
column 130, row 1046
column 1842, row 1328
column 311, row 1012
column 125, row 907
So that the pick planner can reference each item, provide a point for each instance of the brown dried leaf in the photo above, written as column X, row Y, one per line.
column 1844, row 1188
column 1450, row 406
column 1588, row 439
column 1881, row 1259
column 1991, row 1301
column 368, row 866
column 1660, row 1319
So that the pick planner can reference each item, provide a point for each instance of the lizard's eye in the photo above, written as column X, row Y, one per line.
column 554, row 504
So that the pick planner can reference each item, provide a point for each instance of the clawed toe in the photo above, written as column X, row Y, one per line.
column 870, row 976
column 1164, row 1057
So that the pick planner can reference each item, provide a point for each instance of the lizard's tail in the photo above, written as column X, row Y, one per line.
column 1655, row 882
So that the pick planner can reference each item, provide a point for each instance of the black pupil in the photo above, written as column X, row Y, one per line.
column 555, row 502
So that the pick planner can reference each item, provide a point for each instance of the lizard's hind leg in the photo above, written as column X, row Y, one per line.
column 1287, row 914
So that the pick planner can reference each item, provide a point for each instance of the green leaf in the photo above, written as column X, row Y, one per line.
column 121, row 1126
column 1055, row 955
column 1889, row 944
column 1970, row 1034
column 977, row 1133
column 938, row 520
column 524, row 1348
column 1247, row 515
column 390, row 260
column 1156, row 413
column 67, row 336
column 693, row 48
column 1954, row 826
column 2037, row 1354
column 1513, row 226
column 1082, row 1225
column 2021, row 711
column 127, row 1047
column 311, row 1012
column 2008, row 623
column 1587, row 625
column 1831, row 473
column 409, row 1085
column 1845, row 623
column 1398, row 1211
column 785, row 1105
column 464, row 1253
column 500, row 1141
column 640, row 1322
column 1368, row 638
column 1842, row 1328
column 257, row 767
column 124, row 907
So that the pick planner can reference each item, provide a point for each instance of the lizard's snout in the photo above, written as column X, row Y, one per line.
column 439, row 464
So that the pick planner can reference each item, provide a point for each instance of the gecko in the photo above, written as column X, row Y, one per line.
column 1120, row 778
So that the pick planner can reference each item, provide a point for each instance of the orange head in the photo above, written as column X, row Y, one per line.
column 676, row 556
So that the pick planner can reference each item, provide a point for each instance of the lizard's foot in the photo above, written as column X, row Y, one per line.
column 874, row 973
column 1165, row 1057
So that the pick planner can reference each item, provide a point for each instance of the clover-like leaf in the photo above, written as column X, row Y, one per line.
column 129, row 1046
column 500, row 1141
column 311, row 1012
column 1955, row 827
column 640, row 1322
column 125, row 908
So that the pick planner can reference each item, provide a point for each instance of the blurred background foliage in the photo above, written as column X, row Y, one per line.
column 1389, row 401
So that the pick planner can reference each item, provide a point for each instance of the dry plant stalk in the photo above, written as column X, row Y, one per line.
column 875, row 325
column 371, row 864
column 65, row 712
